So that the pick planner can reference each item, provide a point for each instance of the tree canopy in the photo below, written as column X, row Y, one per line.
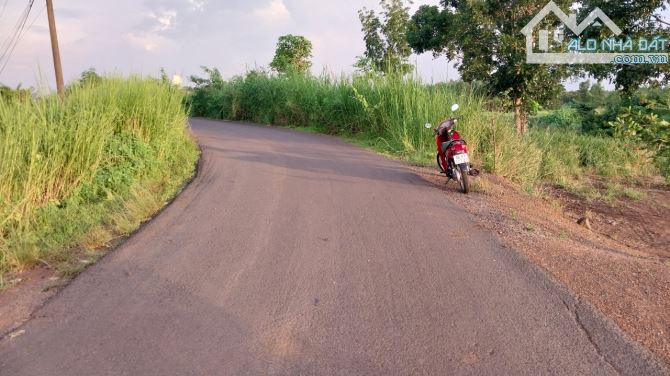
column 293, row 55
column 637, row 19
column 485, row 38
column 386, row 47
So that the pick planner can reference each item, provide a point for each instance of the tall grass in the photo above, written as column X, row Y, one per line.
column 72, row 168
column 389, row 112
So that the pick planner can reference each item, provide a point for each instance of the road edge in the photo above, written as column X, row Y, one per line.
column 114, row 245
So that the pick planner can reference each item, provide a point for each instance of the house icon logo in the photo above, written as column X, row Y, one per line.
column 612, row 50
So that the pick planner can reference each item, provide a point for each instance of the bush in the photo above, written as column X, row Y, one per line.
column 69, row 166
column 647, row 130
column 563, row 118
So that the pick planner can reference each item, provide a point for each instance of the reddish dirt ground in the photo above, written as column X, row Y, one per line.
column 621, row 265
column 642, row 225
column 29, row 290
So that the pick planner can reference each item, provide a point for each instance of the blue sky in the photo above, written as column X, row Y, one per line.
column 141, row 36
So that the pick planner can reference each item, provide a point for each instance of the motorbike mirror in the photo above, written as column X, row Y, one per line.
column 455, row 107
column 428, row 125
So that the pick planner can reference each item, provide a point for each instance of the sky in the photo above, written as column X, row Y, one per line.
column 141, row 36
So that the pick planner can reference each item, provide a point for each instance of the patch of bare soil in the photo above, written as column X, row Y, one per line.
column 26, row 292
column 30, row 289
column 621, row 265
column 642, row 224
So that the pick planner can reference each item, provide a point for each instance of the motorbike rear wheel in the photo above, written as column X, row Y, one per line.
column 464, row 180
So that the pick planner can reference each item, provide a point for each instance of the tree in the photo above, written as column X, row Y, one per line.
column 215, row 79
column 583, row 92
column 486, row 38
column 637, row 19
column 386, row 47
column 293, row 55
column 90, row 77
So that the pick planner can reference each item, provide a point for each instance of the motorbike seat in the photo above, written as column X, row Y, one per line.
column 447, row 144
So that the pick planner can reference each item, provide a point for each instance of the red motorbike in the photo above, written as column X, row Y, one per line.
column 452, row 152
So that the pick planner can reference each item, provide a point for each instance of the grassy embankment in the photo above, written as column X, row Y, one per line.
column 76, row 173
column 388, row 114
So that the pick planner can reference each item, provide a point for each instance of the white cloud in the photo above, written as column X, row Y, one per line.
column 152, row 38
column 274, row 12
column 197, row 5
column 149, row 42
column 165, row 19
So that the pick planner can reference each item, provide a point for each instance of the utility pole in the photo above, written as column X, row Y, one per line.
column 60, row 85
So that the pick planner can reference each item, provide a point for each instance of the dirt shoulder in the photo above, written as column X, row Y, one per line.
column 621, row 265
column 28, row 291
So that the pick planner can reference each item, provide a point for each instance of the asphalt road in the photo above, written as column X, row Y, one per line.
column 296, row 254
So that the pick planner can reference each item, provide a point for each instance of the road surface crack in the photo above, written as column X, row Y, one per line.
column 574, row 313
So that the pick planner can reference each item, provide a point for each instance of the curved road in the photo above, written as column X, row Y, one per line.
column 296, row 254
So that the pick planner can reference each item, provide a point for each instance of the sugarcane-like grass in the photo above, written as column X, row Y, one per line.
column 388, row 113
column 76, row 172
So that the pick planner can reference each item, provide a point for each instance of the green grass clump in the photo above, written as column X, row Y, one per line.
column 566, row 118
column 73, row 169
column 568, row 155
column 388, row 113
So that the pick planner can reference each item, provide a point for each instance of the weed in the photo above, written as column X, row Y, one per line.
column 97, row 237
column 69, row 167
column 514, row 215
column 632, row 194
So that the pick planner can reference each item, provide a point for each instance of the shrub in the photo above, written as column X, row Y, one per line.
column 563, row 118
column 69, row 166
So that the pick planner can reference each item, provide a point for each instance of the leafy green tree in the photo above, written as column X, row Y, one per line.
column 637, row 19
column 373, row 57
column 90, row 77
column 431, row 29
column 215, row 79
column 649, row 130
column 598, row 93
column 583, row 92
column 485, row 38
column 386, row 47
column 204, row 99
column 293, row 55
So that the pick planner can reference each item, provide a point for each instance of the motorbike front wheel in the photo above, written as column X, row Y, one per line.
column 463, row 178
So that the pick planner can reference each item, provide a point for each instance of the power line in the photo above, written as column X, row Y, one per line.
column 8, row 42
column 37, row 16
column 10, row 46
column 17, row 29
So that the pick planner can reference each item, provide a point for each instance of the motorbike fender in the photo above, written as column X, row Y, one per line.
column 458, row 148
